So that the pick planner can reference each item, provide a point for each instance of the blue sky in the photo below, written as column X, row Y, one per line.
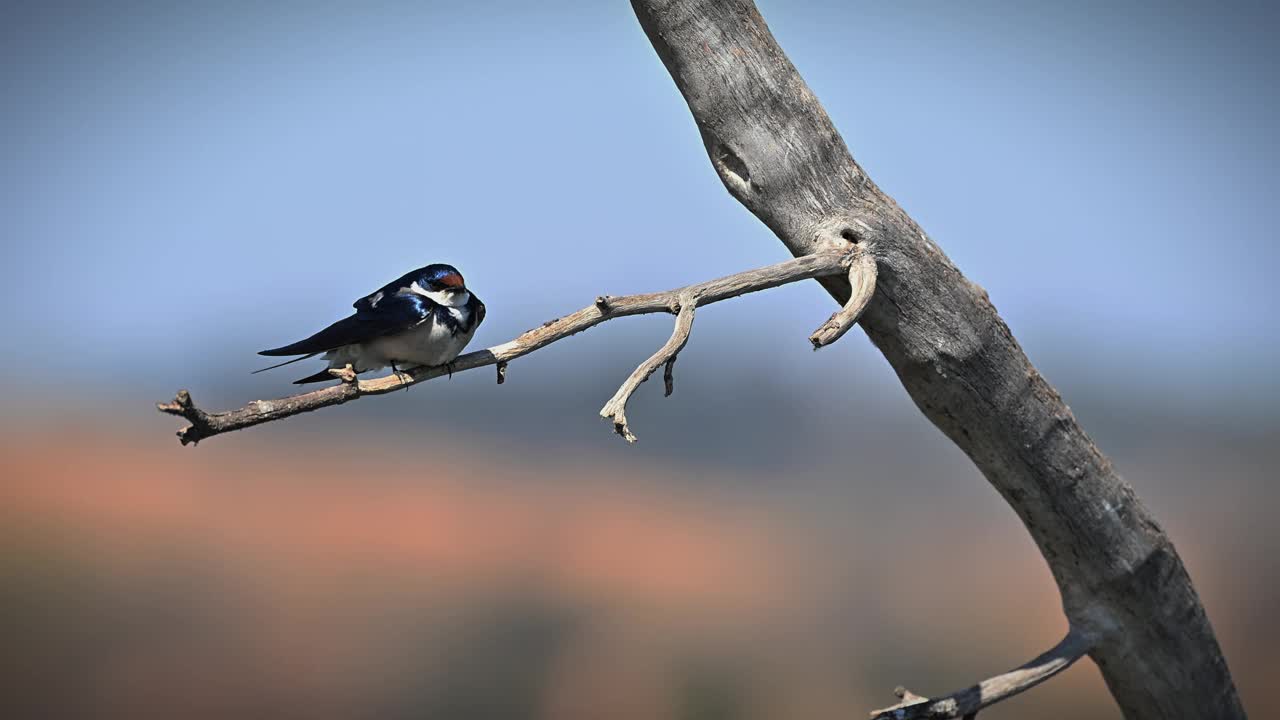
column 184, row 185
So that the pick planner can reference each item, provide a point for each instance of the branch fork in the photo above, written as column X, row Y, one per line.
column 616, row 409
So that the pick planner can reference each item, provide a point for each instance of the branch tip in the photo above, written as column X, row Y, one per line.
column 184, row 407
column 179, row 406
column 621, row 428
column 862, row 284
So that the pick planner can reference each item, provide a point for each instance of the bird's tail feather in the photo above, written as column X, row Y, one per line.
column 286, row 362
column 321, row 376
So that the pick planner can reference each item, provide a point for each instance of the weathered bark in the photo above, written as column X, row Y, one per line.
column 772, row 144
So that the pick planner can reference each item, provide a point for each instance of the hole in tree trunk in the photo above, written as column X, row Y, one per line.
column 733, row 165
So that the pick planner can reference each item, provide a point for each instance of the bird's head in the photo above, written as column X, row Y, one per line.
column 443, row 284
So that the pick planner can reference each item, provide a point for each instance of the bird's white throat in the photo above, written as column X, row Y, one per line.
column 447, row 298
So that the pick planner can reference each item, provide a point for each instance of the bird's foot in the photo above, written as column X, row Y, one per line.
column 402, row 376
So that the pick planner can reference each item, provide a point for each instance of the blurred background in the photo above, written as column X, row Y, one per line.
column 185, row 184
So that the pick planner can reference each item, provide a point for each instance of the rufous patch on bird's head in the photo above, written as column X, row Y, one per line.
column 442, row 277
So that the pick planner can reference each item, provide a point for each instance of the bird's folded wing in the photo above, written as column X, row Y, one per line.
column 391, row 315
column 477, row 311
column 391, row 289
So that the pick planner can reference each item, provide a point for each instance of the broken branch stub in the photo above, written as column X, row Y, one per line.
column 862, row 281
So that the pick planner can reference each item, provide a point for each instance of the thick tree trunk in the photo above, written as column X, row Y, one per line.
column 1123, row 586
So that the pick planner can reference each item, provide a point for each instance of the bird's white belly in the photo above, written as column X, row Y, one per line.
column 430, row 343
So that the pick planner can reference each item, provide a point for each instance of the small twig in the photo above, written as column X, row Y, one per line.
column 184, row 407
column 502, row 371
column 668, row 377
column 616, row 409
column 862, row 281
column 205, row 424
column 347, row 373
column 967, row 702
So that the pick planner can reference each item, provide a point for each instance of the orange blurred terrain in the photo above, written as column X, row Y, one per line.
column 247, row 579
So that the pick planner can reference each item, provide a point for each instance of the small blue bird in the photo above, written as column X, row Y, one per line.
column 425, row 317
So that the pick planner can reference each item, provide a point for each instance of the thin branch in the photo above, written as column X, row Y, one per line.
column 967, row 702
column 668, row 377
column 862, row 279
column 206, row 424
column 616, row 408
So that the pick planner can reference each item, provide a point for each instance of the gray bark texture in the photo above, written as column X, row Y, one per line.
column 1123, row 585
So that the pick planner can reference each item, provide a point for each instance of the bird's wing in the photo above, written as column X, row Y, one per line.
column 477, row 311
column 395, row 287
column 391, row 315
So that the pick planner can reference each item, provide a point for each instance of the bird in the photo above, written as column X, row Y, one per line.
column 424, row 317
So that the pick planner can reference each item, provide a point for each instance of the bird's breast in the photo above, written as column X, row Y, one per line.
column 431, row 343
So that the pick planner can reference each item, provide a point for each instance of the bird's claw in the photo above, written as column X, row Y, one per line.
column 402, row 376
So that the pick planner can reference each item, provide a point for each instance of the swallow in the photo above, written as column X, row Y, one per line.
column 424, row 317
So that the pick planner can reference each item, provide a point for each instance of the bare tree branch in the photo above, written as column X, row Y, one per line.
column 862, row 280
column 967, row 702
column 205, row 424
column 616, row 408
column 777, row 152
